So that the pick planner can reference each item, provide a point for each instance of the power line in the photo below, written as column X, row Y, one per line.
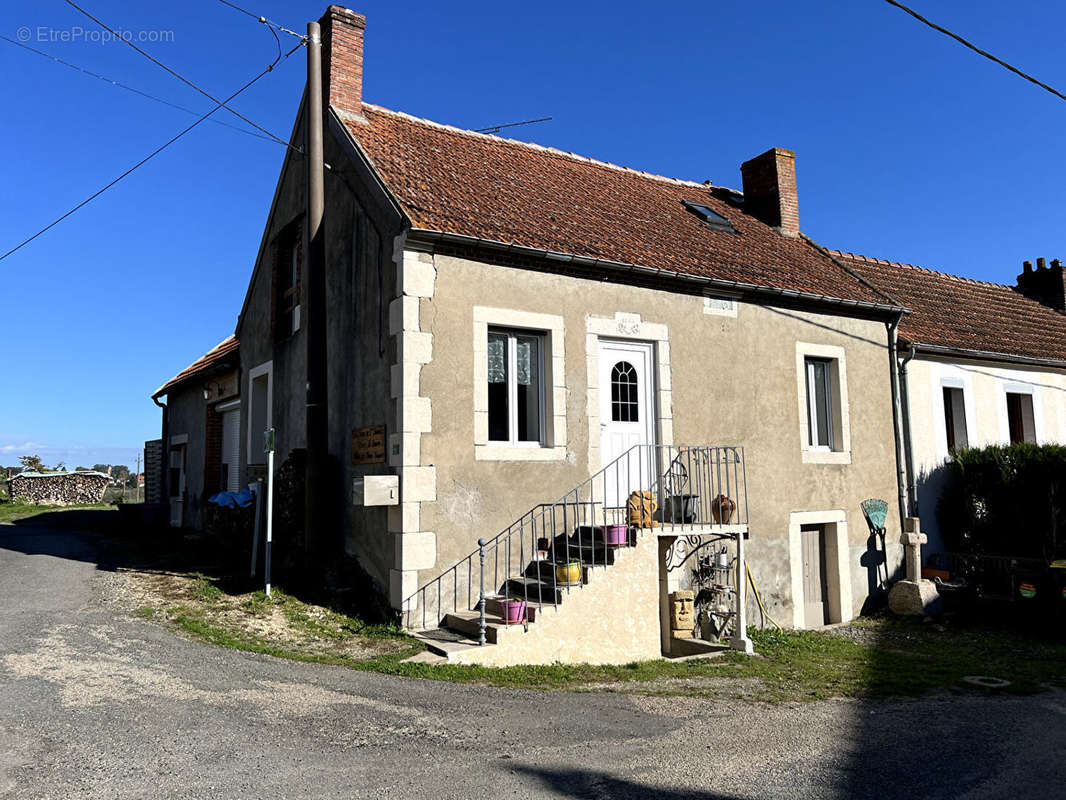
column 147, row 158
column 264, row 20
column 120, row 85
column 977, row 49
column 498, row 128
column 182, row 78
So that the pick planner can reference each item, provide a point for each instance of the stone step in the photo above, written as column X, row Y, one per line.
column 468, row 623
column 494, row 605
column 538, row 591
column 444, row 642
column 544, row 571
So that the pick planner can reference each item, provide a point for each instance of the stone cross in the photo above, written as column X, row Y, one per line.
column 912, row 540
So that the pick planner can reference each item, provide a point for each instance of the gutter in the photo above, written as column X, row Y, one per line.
column 164, row 459
column 431, row 237
column 987, row 355
column 908, row 448
column 897, row 420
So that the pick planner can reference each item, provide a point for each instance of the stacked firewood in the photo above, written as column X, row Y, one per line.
column 59, row 488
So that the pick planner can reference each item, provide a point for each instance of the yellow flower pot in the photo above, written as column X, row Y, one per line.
column 568, row 573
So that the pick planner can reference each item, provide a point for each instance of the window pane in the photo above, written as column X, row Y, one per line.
column 527, row 369
column 625, row 406
column 498, row 409
column 819, row 403
column 1014, row 418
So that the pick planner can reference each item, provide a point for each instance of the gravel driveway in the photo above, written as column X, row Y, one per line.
column 96, row 703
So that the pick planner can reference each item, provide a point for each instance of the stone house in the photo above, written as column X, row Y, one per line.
column 983, row 363
column 201, row 428
column 519, row 338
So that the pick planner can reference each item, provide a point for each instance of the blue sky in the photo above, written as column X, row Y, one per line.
column 908, row 147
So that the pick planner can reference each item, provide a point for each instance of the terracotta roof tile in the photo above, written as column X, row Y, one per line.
column 503, row 190
column 961, row 313
column 225, row 352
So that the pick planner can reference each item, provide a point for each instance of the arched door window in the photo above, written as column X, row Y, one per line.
column 625, row 406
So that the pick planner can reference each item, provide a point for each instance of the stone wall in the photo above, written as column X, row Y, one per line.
column 59, row 489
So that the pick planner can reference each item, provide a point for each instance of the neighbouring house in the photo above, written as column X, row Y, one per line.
column 201, row 431
column 520, row 338
column 983, row 363
column 58, row 488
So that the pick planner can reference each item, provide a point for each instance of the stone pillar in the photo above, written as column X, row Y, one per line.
column 912, row 595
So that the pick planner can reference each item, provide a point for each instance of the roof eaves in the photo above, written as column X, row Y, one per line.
column 987, row 355
column 429, row 236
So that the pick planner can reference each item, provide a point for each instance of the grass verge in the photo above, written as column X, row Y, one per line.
column 873, row 657
column 15, row 512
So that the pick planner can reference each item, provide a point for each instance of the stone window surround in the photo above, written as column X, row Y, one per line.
column 838, row 577
column 1014, row 386
column 952, row 377
column 266, row 368
column 841, row 454
column 627, row 326
column 555, row 367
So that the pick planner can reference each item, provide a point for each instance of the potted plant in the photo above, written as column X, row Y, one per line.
column 616, row 535
column 514, row 611
column 568, row 572
column 723, row 509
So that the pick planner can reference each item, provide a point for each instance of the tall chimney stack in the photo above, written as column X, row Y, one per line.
column 770, row 190
column 342, row 57
column 1045, row 284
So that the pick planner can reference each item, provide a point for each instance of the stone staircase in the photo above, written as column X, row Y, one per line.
column 554, row 609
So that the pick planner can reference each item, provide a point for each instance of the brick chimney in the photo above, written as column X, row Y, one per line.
column 1044, row 284
column 342, row 60
column 770, row 190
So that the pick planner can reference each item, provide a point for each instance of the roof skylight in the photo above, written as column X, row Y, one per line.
column 713, row 219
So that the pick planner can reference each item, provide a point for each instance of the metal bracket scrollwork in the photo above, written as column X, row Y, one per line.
column 684, row 547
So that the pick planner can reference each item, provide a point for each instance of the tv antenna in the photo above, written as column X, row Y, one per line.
column 498, row 128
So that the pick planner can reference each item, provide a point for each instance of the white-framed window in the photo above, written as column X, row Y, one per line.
column 822, row 389
column 516, row 387
column 956, row 430
column 820, row 409
column 519, row 393
column 1021, row 421
column 260, row 409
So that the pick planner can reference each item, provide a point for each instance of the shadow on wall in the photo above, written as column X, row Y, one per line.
column 929, row 487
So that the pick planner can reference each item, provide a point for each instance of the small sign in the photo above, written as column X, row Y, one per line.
column 268, row 440
column 368, row 445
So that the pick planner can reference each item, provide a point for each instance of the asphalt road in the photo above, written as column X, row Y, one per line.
column 95, row 703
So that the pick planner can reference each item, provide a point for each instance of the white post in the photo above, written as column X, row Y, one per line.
column 270, row 506
column 739, row 640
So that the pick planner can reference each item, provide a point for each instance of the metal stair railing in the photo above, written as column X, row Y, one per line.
column 692, row 487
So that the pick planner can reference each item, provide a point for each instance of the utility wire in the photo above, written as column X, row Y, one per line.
column 182, row 78
column 112, row 82
column 976, row 49
column 264, row 20
column 147, row 158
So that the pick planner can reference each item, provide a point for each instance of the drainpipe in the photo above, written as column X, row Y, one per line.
column 897, row 424
column 908, row 450
column 165, row 454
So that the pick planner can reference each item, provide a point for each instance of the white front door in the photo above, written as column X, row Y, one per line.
column 627, row 417
column 231, row 448
column 176, row 478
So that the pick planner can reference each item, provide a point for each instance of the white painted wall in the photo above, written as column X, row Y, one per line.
column 985, row 388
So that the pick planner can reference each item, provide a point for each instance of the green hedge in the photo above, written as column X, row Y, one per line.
column 1006, row 500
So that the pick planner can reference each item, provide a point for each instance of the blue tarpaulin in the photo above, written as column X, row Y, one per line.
column 241, row 499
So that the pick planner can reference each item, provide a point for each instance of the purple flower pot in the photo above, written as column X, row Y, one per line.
column 616, row 535
column 514, row 611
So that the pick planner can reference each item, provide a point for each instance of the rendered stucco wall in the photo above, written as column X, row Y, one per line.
column 733, row 381
column 595, row 624
column 984, row 389
column 188, row 411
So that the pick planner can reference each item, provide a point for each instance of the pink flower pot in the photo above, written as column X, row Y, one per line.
column 616, row 535
column 514, row 611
